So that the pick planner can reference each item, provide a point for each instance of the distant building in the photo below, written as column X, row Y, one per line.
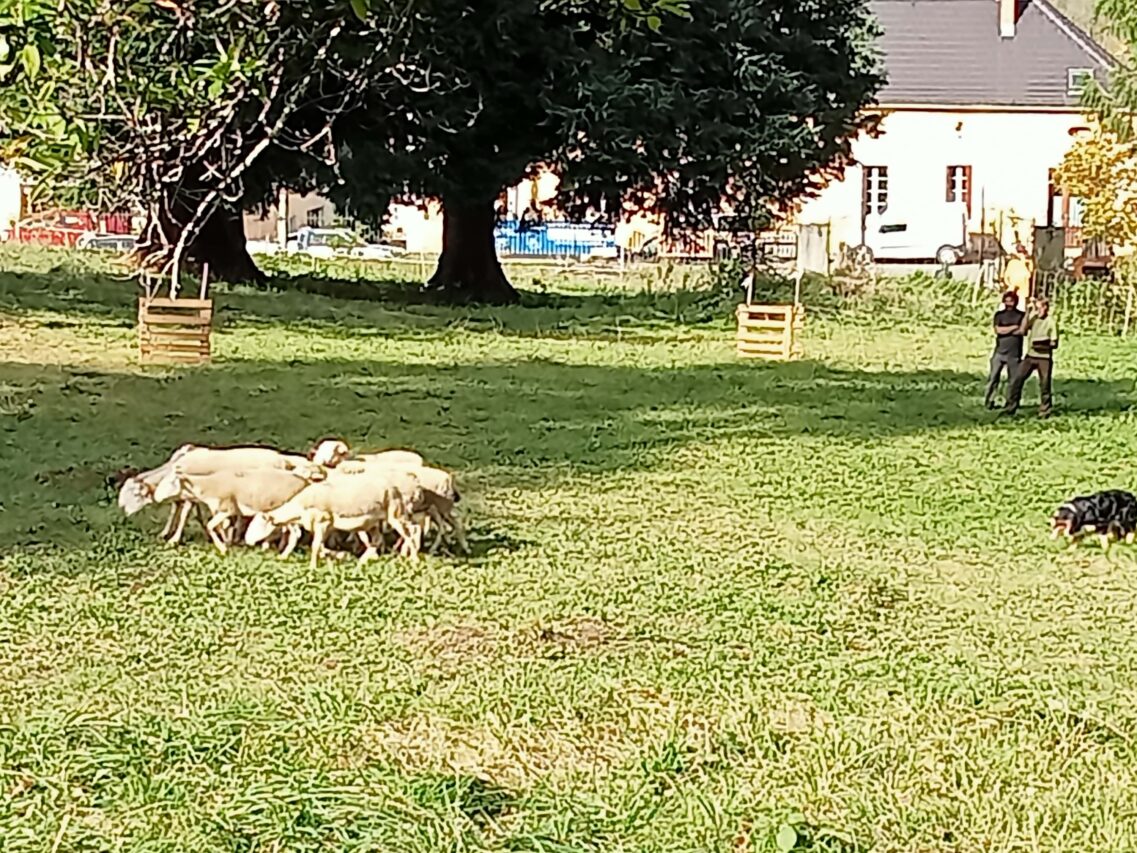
column 981, row 105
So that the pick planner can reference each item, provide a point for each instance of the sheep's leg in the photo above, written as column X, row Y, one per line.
column 319, row 531
column 292, row 541
column 459, row 534
column 411, row 541
column 171, row 521
column 200, row 513
column 211, row 526
column 370, row 549
column 183, row 509
column 432, row 521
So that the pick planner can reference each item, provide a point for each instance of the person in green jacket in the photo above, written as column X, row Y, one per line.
column 1040, row 330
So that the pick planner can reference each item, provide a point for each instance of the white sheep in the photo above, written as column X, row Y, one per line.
column 440, row 494
column 333, row 453
column 138, row 491
column 232, row 494
column 351, row 503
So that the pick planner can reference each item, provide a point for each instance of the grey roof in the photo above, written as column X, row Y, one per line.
column 941, row 52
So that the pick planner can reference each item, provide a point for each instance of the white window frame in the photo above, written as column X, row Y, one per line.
column 1076, row 80
column 876, row 189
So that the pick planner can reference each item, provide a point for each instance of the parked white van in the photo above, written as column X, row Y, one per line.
column 909, row 233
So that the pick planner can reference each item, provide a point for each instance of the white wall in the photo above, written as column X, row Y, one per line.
column 9, row 200
column 1011, row 155
column 264, row 227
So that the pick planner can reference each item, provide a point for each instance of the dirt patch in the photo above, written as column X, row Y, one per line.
column 582, row 634
column 517, row 754
column 466, row 642
column 451, row 643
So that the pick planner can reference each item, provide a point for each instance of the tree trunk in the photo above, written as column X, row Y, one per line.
column 468, row 269
column 220, row 242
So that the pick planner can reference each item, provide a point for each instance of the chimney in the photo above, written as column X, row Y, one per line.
column 1008, row 18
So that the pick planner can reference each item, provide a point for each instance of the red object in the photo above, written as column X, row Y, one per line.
column 64, row 227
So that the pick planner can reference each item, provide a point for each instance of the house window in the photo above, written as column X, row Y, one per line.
column 316, row 217
column 876, row 189
column 1077, row 79
column 959, row 185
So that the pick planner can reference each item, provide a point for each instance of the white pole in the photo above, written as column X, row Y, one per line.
column 282, row 218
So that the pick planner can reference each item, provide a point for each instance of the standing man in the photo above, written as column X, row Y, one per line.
column 1008, row 345
column 1041, row 331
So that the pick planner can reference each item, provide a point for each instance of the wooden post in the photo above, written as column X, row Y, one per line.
column 1128, row 311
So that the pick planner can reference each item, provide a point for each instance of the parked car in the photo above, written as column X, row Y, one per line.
column 262, row 247
column 338, row 242
column 375, row 252
column 107, row 242
column 322, row 242
column 937, row 233
column 578, row 240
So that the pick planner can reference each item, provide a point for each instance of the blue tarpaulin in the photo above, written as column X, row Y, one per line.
column 554, row 239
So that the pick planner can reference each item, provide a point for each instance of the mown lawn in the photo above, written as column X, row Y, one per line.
column 710, row 601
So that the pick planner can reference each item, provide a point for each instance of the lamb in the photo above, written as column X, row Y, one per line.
column 230, row 494
column 351, row 503
column 441, row 496
column 440, row 493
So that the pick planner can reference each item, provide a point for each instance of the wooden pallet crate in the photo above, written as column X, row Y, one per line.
column 771, row 332
column 175, row 331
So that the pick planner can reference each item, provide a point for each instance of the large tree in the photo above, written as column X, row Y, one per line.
column 193, row 109
column 745, row 103
column 198, row 109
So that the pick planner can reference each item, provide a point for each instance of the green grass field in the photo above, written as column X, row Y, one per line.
column 713, row 605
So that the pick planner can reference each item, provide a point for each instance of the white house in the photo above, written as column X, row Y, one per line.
column 980, row 106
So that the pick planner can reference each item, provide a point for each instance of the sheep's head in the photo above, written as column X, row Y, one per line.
column 134, row 495
column 260, row 528
column 330, row 452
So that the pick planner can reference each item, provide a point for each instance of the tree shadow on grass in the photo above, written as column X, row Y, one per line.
column 509, row 424
column 393, row 311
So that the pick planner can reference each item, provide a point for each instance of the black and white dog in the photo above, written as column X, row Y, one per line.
column 1111, row 514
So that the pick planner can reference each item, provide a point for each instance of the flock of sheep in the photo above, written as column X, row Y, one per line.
column 267, row 496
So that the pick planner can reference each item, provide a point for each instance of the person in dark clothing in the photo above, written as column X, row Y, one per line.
column 1008, row 345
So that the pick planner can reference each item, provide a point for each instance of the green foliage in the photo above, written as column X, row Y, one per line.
column 1115, row 103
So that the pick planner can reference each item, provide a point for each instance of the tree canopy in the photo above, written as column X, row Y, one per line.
column 745, row 103
column 200, row 109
